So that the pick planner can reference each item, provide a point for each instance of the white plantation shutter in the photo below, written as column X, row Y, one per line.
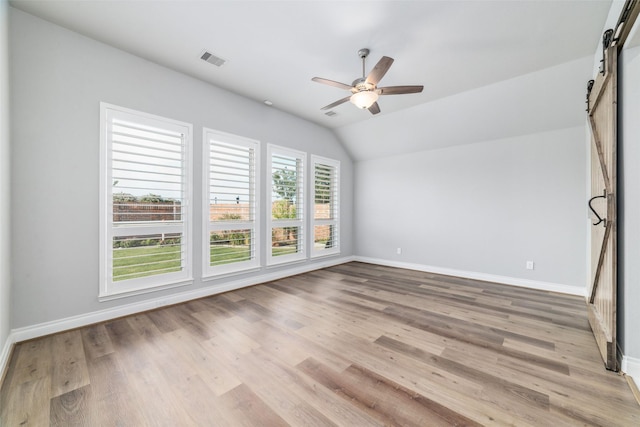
column 145, row 196
column 326, row 206
column 285, row 213
column 231, row 243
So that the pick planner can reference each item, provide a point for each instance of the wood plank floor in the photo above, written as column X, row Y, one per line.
column 351, row 345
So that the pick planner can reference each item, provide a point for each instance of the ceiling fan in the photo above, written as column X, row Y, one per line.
column 364, row 92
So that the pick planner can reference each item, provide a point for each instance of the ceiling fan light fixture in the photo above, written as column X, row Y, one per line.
column 365, row 90
column 364, row 99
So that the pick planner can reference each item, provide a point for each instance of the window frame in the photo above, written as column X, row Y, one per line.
column 108, row 288
column 335, row 206
column 252, row 264
column 300, row 221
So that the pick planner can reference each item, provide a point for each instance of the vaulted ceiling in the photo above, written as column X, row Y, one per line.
column 274, row 48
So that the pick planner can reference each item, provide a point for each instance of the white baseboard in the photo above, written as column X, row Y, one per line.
column 631, row 367
column 505, row 280
column 47, row 328
column 4, row 356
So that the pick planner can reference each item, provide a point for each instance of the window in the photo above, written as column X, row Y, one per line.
column 326, row 206
column 145, row 201
column 285, row 215
column 230, row 203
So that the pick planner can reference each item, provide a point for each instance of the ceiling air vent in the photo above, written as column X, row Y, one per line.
column 212, row 59
column 330, row 113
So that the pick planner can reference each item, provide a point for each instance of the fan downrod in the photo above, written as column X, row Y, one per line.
column 362, row 53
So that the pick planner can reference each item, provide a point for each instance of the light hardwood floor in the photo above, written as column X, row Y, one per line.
column 351, row 345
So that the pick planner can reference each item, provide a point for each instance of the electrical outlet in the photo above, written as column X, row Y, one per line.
column 399, row 251
column 529, row 265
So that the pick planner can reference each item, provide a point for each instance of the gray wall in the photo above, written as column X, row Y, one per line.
column 485, row 208
column 58, row 80
column 629, row 205
column 5, row 192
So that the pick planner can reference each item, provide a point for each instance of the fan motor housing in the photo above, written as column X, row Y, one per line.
column 361, row 84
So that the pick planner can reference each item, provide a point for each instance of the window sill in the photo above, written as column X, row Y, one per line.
column 325, row 254
column 287, row 262
column 211, row 277
column 103, row 297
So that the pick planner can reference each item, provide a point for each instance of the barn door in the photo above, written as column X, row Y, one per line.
column 601, row 302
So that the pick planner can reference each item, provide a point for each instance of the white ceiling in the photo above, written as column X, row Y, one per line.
column 274, row 48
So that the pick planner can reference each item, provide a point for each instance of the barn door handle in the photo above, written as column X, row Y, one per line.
column 604, row 196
